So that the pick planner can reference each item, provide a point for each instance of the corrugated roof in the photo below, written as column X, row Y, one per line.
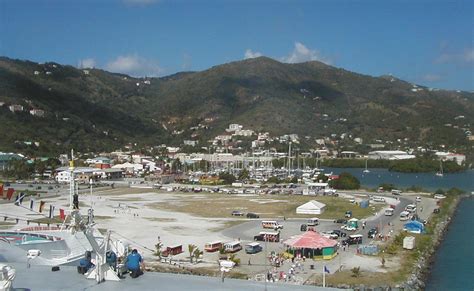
column 310, row 240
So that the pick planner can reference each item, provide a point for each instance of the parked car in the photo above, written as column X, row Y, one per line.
column 237, row 213
column 353, row 240
column 252, row 215
column 436, row 210
column 372, row 232
column 341, row 220
column 348, row 214
column 329, row 234
column 418, row 199
column 339, row 233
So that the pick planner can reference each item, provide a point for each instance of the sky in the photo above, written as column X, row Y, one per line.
column 427, row 42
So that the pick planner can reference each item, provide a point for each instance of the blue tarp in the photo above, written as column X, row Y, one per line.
column 414, row 227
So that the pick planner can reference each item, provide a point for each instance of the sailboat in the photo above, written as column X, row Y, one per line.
column 440, row 172
column 366, row 170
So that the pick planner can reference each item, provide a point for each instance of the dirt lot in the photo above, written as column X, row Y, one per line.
column 222, row 205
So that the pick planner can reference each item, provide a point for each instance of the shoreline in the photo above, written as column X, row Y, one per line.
column 422, row 268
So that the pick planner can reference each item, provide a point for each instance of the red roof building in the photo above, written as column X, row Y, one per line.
column 311, row 244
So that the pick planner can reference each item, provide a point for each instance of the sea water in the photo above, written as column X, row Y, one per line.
column 453, row 268
column 429, row 181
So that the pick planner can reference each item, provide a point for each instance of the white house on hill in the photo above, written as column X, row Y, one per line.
column 311, row 207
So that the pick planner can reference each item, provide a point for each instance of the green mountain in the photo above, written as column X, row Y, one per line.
column 97, row 110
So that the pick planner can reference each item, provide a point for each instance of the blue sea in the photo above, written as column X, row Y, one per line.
column 428, row 181
column 453, row 268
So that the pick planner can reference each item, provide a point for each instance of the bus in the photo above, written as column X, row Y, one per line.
column 253, row 248
column 232, row 247
column 273, row 224
column 212, row 246
column 404, row 215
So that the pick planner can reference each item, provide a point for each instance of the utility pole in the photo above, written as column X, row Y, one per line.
column 289, row 158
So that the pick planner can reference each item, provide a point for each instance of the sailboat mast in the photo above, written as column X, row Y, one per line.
column 71, row 181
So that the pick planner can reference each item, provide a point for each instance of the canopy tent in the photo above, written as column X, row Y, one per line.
column 311, row 207
column 414, row 227
column 311, row 244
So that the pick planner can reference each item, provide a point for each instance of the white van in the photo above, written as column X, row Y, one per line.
column 232, row 247
column 410, row 208
column 273, row 224
column 388, row 212
column 404, row 215
column 379, row 199
column 313, row 221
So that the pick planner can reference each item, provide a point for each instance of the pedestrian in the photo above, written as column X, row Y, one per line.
column 134, row 264
column 249, row 262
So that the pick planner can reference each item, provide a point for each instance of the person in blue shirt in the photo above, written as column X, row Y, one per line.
column 134, row 262
column 85, row 264
column 111, row 259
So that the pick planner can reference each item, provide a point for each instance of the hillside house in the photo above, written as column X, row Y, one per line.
column 15, row 108
column 37, row 112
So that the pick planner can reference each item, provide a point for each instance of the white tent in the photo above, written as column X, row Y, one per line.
column 311, row 207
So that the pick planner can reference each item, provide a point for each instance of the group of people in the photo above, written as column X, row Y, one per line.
column 134, row 263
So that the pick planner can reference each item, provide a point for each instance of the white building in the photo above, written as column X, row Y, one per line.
column 311, row 207
column 390, row 155
column 234, row 127
column 244, row 132
column 37, row 112
column 15, row 108
column 447, row 156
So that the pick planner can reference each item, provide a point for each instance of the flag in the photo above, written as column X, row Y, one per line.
column 41, row 206
column 61, row 214
column 19, row 198
column 32, row 203
column 10, row 193
column 326, row 270
column 51, row 211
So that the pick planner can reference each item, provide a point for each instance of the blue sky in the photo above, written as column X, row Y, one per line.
column 425, row 42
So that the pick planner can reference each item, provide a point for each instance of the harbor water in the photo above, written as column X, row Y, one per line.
column 453, row 268
column 427, row 181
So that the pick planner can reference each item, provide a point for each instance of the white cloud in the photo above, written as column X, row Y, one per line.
column 135, row 66
column 88, row 63
column 187, row 62
column 140, row 2
column 249, row 54
column 466, row 57
column 431, row 77
column 469, row 55
column 301, row 53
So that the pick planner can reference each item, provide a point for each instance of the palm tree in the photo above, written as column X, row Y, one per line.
column 191, row 249
column 158, row 251
column 197, row 254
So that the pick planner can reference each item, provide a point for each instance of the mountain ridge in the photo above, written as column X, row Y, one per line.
column 309, row 99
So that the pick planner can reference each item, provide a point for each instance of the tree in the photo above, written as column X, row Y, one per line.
column 356, row 272
column 244, row 175
column 227, row 178
column 158, row 251
column 346, row 181
column 197, row 254
column 191, row 249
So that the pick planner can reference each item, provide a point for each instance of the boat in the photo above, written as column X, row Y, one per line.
column 366, row 170
column 440, row 172
column 62, row 244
